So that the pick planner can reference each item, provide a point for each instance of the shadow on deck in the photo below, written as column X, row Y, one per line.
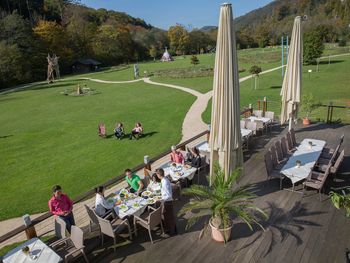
column 298, row 229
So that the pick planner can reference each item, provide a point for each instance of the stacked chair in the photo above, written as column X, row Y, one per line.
column 327, row 165
column 278, row 155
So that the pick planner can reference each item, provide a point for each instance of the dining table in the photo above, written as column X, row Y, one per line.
column 265, row 120
column 204, row 148
column 300, row 165
column 127, row 204
column 178, row 171
column 38, row 252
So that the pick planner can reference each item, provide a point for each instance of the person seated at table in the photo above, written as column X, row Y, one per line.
column 137, row 131
column 193, row 157
column 154, row 184
column 101, row 204
column 134, row 181
column 119, row 131
column 167, row 198
column 61, row 206
column 176, row 156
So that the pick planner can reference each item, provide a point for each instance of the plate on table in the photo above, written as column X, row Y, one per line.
column 132, row 195
column 124, row 191
column 150, row 201
column 136, row 205
column 146, row 193
column 179, row 173
column 123, row 207
column 157, row 198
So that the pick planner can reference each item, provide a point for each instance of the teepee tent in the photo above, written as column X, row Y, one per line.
column 166, row 56
column 225, row 136
column 291, row 87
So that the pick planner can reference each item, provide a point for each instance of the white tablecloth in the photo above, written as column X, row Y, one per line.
column 246, row 132
column 204, row 146
column 38, row 248
column 131, row 209
column 308, row 157
column 174, row 173
column 263, row 119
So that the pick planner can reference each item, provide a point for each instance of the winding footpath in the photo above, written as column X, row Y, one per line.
column 193, row 123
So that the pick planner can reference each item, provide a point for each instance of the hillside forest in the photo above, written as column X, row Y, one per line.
column 30, row 29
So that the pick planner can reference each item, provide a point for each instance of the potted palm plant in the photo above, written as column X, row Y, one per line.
column 308, row 105
column 221, row 202
column 341, row 201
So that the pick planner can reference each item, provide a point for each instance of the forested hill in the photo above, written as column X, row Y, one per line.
column 29, row 30
column 266, row 25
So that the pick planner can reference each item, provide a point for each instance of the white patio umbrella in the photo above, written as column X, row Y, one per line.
column 291, row 87
column 225, row 138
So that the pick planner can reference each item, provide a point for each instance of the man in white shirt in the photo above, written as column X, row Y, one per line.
column 167, row 198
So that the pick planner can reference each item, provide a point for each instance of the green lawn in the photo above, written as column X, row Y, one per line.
column 331, row 83
column 47, row 138
column 266, row 58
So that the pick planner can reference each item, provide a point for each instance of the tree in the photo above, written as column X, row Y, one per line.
column 255, row 71
column 113, row 44
column 12, row 64
column 81, row 33
column 179, row 39
column 198, row 41
column 194, row 60
column 153, row 52
column 313, row 46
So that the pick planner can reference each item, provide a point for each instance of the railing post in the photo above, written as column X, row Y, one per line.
column 258, row 104
column 30, row 228
column 264, row 106
column 331, row 113
column 30, row 232
column 147, row 167
column 208, row 134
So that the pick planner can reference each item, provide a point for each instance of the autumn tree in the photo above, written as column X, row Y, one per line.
column 113, row 44
column 153, row 52
column 179, row 39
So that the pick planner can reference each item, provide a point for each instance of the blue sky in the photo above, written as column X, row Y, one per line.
column 163, row 14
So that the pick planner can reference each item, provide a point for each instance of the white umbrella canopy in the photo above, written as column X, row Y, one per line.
column 291, row 87
column 225, row 137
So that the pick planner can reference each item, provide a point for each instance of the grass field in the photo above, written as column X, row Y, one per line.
column 330, row 84
column 48, row 138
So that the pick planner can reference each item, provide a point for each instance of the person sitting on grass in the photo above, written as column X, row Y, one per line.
column 134, row 181
column 101, row 204
column 61, row 206
column 119, row 131
column 137, row 131
column 176, row 156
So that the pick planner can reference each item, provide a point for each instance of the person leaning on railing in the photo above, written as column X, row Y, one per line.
column 60, row 205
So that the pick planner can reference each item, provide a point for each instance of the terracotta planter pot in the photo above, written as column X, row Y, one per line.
column 306, row 121
column 219, row 234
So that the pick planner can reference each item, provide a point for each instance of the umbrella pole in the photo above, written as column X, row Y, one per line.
column 290, row 124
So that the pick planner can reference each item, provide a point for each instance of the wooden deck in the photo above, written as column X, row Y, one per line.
column 298, row 229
